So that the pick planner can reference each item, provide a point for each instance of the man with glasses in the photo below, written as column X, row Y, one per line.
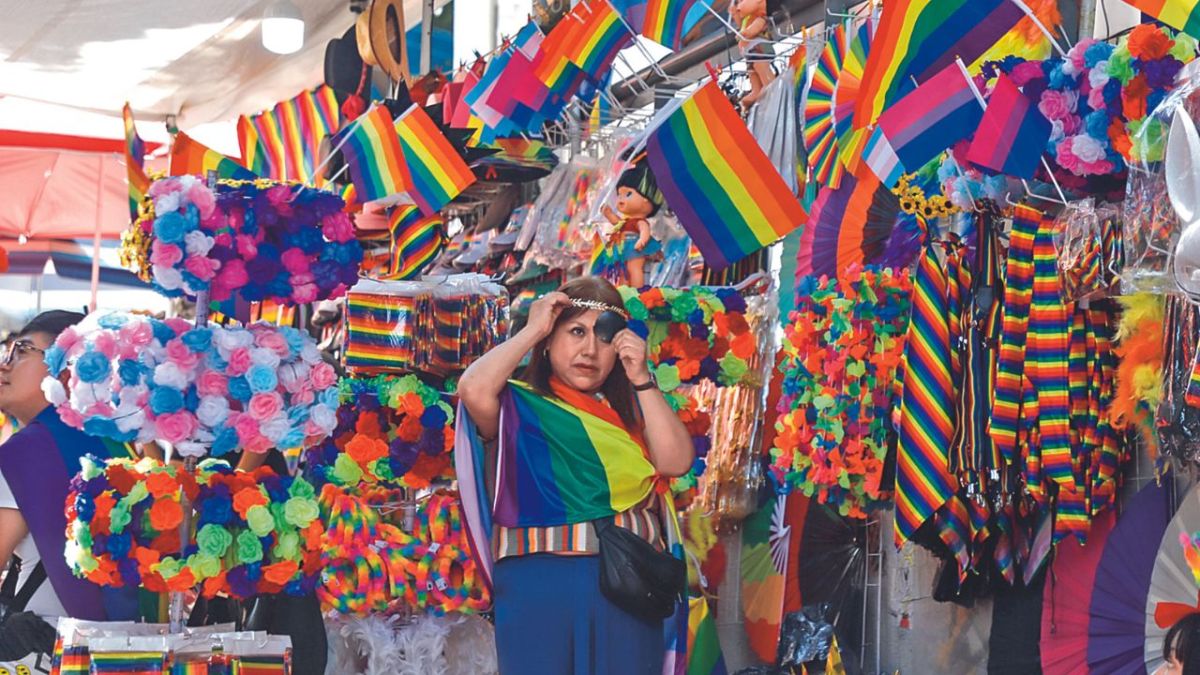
column 36, row 465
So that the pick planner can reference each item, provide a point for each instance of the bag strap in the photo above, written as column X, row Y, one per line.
column 602, row 524
column 36, row 578
column 8, row 591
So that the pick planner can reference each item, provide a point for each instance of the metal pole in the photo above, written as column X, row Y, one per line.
column 426, row 34
column 1087, row 19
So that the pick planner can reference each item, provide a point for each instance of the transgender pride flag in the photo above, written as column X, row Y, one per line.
column 1013, row 133
column 937, row 114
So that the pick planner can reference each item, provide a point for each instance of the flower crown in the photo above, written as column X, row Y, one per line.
column 599, row 306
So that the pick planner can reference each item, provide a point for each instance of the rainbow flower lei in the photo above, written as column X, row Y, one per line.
column 253, row 532
column 841, row 352
column 264, row 241
column 693, row 334
column 135, row 378
column 392, row 430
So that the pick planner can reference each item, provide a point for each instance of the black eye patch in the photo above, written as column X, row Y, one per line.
column 608, row 324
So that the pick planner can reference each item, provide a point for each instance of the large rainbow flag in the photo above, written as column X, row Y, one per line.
column 1181, row 15
column 725, row 191
column 372, row 150
column 284, row 143
column 135, row 163
column 190, row 157
column 918, row 127
column 438, row 173
column 918, row 38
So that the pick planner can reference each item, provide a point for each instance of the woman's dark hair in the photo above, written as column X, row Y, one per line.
column 617, row 388
column 1183, row 642
column 52, row 323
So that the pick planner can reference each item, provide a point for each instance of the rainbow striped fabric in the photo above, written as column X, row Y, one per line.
column 190, row 667
column 372, row 151
column 380, row 331
column 1012, row 134
column 921, row 125
column 923, row 481
column 438, row 173
column 416, row 242
column 918, row 38
column 704, row 650
column 666, row 21
column 725, row 191
column 599, row 34
column 260, row 665
column 1181, row 15
column 128, row 663
column 1046, row 359
column 571, row 465
column 135, row 163
column 284, row 143
column 1018, row 293
column 190, row 157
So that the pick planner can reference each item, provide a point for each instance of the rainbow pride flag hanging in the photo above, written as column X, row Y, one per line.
column 722, row 186
column 918, row 38
column 190, row 157
column 552, row 450
column 921, row 125
column 594, row 43
column 1012, row 135
column 372, row 151
column 128, row 663
column 284, row 143
column 666, row 21
column 135, row 163
column 1181, row 15
column 438, row 173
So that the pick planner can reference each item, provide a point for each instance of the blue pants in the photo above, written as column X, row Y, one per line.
column 551, row 619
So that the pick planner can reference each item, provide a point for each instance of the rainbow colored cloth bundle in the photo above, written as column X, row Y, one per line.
column 432, row 327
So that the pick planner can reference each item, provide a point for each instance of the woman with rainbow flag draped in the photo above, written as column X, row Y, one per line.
column 584, row 435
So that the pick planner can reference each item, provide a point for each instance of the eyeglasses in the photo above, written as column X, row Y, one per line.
column 18, row 350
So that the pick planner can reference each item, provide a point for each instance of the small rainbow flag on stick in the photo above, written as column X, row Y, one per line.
column 1181, row 15
column 372, row 150
column 666, row 21
column 190, row 157
column 727, row 194
column 596, row 40
column 1012, row 135
column 135, row 163
column 438, row 173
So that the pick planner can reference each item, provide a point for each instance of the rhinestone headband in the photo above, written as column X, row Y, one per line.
column 600, row 307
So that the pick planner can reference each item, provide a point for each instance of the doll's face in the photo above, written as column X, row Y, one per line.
column 630, row 202
column 752, row 7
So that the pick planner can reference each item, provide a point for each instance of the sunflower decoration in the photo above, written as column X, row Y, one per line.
column 914, row 202
column 135, row 242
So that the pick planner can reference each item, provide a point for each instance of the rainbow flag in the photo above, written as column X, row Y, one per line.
column 552, row 448
column 1012, row 135
column 180, row 667
column 372, row 151
column 379, row 332
column 284, row 143
column 921, row 125
column 596, row 40
column 438, row 173
column 1181, row 15
column 666, row 21
column 704, row 650
column 190, row 157
column 721, row 185
column 260, row 665
column 135, row 163
column 416, row 241
column 918, row 38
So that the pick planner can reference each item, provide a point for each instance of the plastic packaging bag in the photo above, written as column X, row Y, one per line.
column 1090, row 250
column 805, row 636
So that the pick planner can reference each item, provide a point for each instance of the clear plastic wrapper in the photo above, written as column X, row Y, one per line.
column 1090, row 250
column 805, row 636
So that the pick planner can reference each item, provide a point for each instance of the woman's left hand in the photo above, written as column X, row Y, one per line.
column 631, row 349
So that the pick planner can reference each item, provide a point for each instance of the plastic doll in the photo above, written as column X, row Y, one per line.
column 631, row 243
column 750, row 16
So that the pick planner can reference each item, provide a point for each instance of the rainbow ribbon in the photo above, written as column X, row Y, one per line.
column 1048, row 355
column 1017, row 296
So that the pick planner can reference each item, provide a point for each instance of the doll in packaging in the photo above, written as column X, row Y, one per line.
column 750, row 17
column 631, row 243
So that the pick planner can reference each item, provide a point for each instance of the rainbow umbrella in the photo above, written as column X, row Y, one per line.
column 819, row 135
column 848, row 224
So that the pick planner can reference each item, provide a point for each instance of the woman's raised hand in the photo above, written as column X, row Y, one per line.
column 631, row 349
column 544, row 312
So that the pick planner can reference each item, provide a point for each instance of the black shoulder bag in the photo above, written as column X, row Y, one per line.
column 635, row 576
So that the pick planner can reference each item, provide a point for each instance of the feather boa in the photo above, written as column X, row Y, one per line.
column 1139, row 374
column 430, row 645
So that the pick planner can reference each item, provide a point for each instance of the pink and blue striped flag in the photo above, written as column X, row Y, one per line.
column 931, row 118
column 1012, row 135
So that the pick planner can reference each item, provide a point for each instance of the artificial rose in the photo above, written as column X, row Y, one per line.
column 281, row 572
column 166, row 514
column 270, row 339
column 259, row 520
column 249, row 548
column 246, row 498
column 161, row 483
column 214, row 540
column 166, row 255
column 265, row 406
column 1148, row 42
column 175, row 427
column 301, row 512
column 323, row 376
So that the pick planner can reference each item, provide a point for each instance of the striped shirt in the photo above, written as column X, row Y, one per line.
column 580, row 538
